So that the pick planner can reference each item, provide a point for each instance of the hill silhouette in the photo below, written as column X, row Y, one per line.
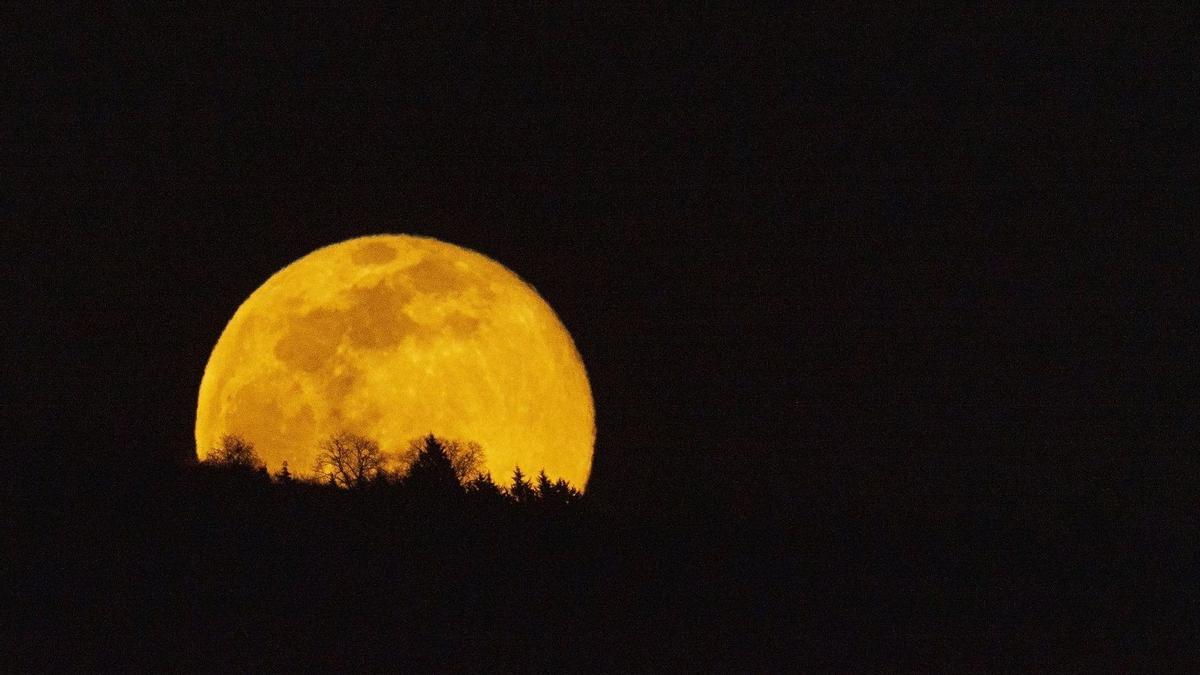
column 220, row 565
column 425, row 564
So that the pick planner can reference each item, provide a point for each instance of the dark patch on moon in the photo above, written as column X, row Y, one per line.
column 340, row 386
column 461, row 325
column 373, row 253
column 377, row 319
column 311, row 340
column 438, row 276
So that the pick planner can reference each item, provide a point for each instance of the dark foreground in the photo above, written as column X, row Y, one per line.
column 214, row 570
column 226, row 569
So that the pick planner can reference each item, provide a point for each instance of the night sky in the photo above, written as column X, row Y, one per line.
column 924, row 261
column 649, row 192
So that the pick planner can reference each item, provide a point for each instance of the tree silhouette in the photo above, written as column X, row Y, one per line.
column 556, row 494
column 432, row 468
column 349, row 460
column 522, row 490
column 235, row 452
column 421, row 544
column 466, row 457
column 483, row 486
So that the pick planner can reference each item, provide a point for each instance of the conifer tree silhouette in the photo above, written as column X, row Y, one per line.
column 522, row 490
column 465, row 456
column 432, row 469
column 557, row 493
column 545, row 489
column 482, row 483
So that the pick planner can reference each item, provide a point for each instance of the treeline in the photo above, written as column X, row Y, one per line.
column 429, row 465
column 365, row 562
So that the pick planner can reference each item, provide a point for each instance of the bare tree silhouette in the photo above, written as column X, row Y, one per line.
column 235, row 452
column 349, row 460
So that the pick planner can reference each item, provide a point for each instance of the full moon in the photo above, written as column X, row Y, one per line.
column 394, row 337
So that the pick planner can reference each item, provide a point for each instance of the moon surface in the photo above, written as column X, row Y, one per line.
column 394, row 337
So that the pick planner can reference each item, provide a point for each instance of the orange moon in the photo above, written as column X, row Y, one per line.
column 394, row 337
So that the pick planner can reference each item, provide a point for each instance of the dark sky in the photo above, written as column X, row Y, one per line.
column 851, row 249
